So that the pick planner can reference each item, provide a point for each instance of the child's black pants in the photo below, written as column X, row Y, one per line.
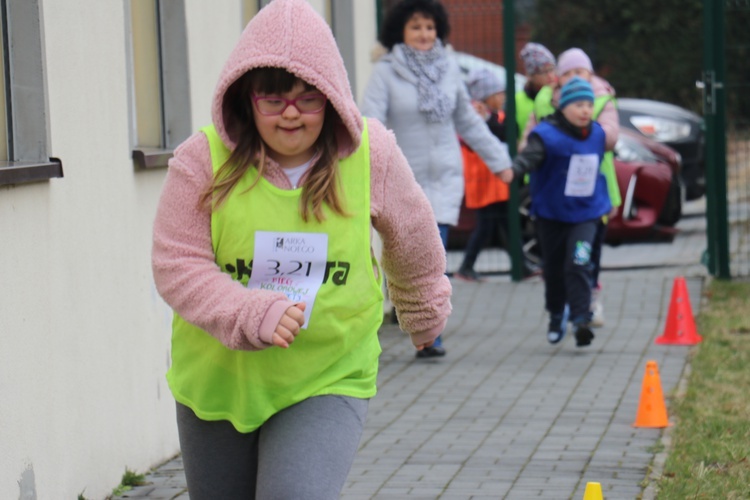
column 566, row 252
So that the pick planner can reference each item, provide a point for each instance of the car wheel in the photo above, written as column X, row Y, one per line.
column 672, row 210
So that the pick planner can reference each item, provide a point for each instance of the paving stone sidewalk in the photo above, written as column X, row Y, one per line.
column 506, row 415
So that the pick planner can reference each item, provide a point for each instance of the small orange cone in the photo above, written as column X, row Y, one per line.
column 593, row 492
column 651, row 409
column 680, row 328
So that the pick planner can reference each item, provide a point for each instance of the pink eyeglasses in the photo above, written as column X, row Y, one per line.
column 307, row 104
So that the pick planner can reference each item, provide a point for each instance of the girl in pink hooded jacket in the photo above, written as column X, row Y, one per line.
column 262, row 246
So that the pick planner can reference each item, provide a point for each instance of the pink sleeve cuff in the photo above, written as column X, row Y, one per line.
column 271, row 320
column 428, row 335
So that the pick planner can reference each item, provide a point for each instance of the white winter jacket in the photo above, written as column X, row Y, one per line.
column 432, row 149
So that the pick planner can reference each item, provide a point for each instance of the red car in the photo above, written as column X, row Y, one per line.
column 648, row 175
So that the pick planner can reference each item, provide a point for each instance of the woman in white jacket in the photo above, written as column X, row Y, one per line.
column 416, row 89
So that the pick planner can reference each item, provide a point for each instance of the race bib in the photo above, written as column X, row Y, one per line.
column 290, row 263
column 582, row 173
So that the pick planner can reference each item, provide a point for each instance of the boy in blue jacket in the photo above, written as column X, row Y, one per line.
column 568, row 197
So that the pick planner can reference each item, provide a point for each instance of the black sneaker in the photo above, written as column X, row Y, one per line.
column 584, row 335
column 431, row 352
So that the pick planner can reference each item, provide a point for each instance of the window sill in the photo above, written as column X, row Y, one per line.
column 23, row 172
column 151, row 158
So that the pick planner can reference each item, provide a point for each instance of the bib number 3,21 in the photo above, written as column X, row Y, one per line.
column 290, row 263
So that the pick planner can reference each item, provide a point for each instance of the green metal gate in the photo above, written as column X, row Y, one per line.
column 726, row 90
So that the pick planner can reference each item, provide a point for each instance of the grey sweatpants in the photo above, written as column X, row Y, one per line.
column 304, row 451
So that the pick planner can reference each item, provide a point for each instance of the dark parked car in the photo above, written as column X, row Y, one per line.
column 678, row 128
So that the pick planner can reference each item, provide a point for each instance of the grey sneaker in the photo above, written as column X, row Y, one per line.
column 597, row 315
column 597, row 310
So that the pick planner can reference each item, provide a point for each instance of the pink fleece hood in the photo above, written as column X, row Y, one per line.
column 290, row 34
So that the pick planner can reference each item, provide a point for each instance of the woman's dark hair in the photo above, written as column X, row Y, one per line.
column 397, row 16
column 321, row 185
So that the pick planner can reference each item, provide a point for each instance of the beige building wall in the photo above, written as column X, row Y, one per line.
column 365, row 28
column 84, row 337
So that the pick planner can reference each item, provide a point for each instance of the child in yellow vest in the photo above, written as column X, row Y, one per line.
column 262, row 246
column 539, row 65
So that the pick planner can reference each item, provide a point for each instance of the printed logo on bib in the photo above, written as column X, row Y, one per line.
column 582, row 173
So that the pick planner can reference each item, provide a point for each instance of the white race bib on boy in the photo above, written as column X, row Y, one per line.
column 290, row 263
column 582, row 173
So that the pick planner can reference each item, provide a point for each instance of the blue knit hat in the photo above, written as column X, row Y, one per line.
column 577, row 89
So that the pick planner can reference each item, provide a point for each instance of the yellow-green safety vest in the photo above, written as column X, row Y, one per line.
column 337, row 353
column 524, row 108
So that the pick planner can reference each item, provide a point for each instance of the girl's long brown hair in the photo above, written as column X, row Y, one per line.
column 321, row 186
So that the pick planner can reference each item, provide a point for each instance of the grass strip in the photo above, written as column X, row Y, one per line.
column 710, row 453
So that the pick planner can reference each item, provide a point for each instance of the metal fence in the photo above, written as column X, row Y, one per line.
column 737, row 55
column 726, row 83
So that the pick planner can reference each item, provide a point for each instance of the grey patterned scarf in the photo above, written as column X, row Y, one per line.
column 429, row 66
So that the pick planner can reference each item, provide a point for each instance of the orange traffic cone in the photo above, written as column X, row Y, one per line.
column 651, row 410
column 680, row 328
column 593, row 492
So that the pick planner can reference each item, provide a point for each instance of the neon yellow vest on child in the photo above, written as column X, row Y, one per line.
column 543, row 107
column 337, row 353
column 524, row 108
